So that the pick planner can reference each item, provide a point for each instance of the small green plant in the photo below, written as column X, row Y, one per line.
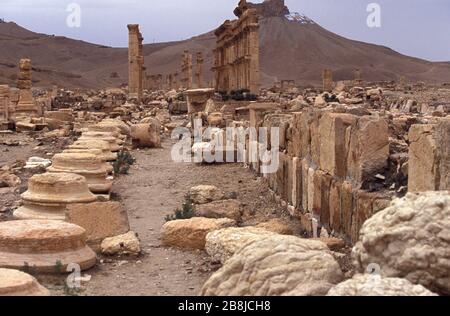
column 58, row 267
column 187, row 210
column 123, row 162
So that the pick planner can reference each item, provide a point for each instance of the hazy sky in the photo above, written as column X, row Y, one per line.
column 418, row 28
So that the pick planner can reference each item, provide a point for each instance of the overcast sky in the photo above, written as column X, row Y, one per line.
column 418, row 28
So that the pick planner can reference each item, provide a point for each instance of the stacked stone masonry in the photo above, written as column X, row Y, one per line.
column 324, row 160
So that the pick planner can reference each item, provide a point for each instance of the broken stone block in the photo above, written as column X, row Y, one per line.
column 332, row 131
column 146, row 135
column 43, row 246
column 368, row 151
column 428, row 157
column 220, row 209
column 126, row 244
column 25, row 127
column 17, row 283
column 203, row 194
column 277, row 226
column 191, row 233
column 100, row 220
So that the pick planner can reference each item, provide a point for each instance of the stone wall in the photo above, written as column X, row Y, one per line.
column 325, row 159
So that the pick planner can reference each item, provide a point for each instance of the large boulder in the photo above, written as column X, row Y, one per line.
column 191, row 233
column 222, row 244
column 203, row 194
column 411, row 240
column 278, row 226
column 220, row 209
column 276, row 266
column 375, row 285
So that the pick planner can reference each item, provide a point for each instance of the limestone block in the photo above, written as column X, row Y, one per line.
column 126, row 244
column 146, row 135
column 100, row 220
column 368, row 149
column 220, row 209
column 277, row 226
column 203, row 194
column 191, row 233
column 332, row 132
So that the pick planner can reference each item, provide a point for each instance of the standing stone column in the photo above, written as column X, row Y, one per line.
column 199, row 70
column 176, row 83
column 254, row 51
column 358, row 80
column 135, row 62
column 4, row 106
column 186, row 69
column 26, row 107
column 327, row 77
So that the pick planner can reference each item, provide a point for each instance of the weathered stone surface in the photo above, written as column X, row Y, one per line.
column 9, row 180
column 49, row 194
column 203, row 194
column 100, row 220
column 43, row 246
column 89, row 166
column 191, row 233
column 368, row 148
column 222, row 244
column 278, row 226
column 276, row 266
column 411, row 240
column 17, row 283
column 126, row 244
column 375, row 285
column 334, row 244
column 428, row 157
column 146, row 135
column 220, row 209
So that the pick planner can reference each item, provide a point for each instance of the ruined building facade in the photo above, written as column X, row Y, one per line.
column 237, row 52
column 135, row 62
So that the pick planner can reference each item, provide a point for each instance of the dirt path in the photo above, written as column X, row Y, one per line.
column 154, row 188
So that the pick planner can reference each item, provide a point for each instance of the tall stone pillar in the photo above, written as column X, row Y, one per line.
column 4, row 104
column 186, row 70
column 358, row 80
column 26, row 107
column 176, row 82
column 254, row 83
column 199, row 70
column 135, row 62
column 327, row 77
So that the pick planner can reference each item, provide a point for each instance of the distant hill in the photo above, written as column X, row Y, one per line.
column 290, row 49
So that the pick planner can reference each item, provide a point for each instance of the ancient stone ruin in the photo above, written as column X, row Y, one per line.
column 236, row 64
column 248, row 186
column 135, row 62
